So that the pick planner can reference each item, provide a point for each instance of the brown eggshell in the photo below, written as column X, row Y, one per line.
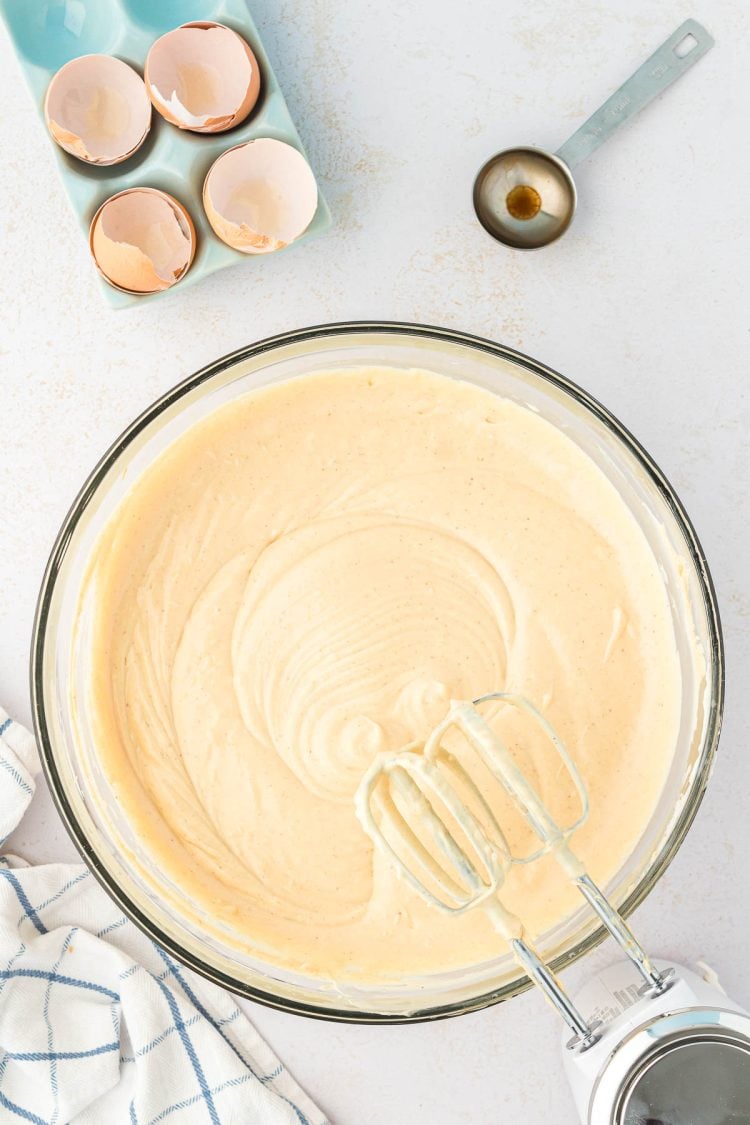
column 142, row 240
column 260, row 196
column 202, row 77
column 97, row 109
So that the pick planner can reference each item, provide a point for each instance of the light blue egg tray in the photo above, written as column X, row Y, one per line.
column 48, row 33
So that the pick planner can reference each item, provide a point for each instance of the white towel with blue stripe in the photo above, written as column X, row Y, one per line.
column 98, row 1025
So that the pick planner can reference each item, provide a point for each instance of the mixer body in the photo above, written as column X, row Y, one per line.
column 679, row 1058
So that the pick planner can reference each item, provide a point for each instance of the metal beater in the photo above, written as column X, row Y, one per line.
column 412, row 797
column 675, row 1051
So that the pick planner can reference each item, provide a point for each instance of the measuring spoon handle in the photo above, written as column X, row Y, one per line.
column 658, row 72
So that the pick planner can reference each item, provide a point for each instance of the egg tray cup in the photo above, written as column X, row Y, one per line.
column 48, row 33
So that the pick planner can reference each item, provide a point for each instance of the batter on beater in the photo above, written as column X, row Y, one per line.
column 303, row 580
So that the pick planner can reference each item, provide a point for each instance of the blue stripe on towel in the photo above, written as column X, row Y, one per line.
column 8, row 974
column 45, row 1056
column 194, row 1000
column 190, row 1052
column 21, row 781
column 19, row 1111
column 29, row 911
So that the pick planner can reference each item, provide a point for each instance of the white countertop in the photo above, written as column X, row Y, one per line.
column 643, row 303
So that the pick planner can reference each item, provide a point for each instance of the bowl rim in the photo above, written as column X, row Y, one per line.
column 269, row 344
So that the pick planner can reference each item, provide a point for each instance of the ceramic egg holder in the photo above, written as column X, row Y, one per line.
column 48, row 33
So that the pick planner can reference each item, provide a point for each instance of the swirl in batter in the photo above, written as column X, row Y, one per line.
column 305, row 579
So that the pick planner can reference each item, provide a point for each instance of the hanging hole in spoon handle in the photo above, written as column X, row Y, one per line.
column 677, row 54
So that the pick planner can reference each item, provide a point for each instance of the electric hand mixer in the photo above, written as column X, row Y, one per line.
column 425, row 811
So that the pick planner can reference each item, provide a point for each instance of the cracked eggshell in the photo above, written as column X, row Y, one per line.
column 96, row 108
column 142, row 240
column 260, row 196
column 202, row 77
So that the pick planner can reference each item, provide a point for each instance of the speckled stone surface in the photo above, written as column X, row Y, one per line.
column 644, row 302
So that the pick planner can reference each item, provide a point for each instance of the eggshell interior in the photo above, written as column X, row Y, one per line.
column 260, row 196
column 97, row 109
column 202, row 77
column 142, row 240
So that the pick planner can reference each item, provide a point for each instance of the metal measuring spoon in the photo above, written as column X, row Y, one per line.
column 526, row 197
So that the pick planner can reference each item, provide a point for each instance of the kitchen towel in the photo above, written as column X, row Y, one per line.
column 100, row 1026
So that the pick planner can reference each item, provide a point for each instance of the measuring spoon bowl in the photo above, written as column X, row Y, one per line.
column 525, row 197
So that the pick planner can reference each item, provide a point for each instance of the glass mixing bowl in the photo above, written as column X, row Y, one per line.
column 60, row 655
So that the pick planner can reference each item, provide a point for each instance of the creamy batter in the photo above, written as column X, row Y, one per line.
column 305, row 579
